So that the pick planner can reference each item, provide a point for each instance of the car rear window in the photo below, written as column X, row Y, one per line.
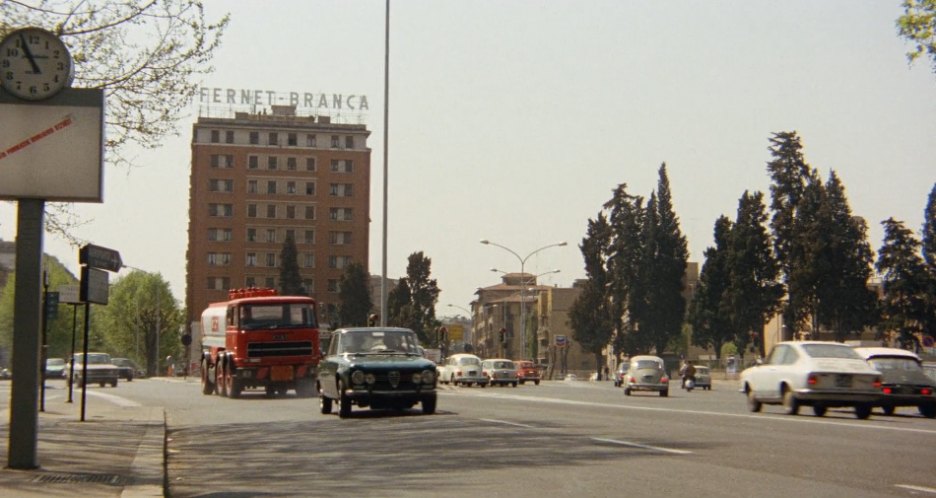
column 831, row 351
column 646, row 364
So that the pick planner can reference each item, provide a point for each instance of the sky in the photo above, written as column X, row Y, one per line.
column 513, row 121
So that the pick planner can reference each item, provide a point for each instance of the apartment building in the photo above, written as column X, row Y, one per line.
column 258, row 178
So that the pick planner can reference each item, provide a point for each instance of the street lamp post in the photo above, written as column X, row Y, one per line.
column 523, row 261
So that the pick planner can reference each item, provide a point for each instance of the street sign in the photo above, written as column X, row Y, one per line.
column 69, row 294
column 100, row 257
column 561, row 341
column 94, row 287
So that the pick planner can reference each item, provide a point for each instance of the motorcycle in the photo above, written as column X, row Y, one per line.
column 688, row 385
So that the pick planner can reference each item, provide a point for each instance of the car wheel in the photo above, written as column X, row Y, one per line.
column 536, row 382
column 818, row 410
column 928, row 411
column 428, row 406
column 888, row 410
column 113, row 383
column 515, row 384
column 102, row 383
column 790, row 403
column 627, row 391
column 664, row 393
column 522, row 382
column 208, row 387
column 325, row 404
column 344, row 402
column 452, row 380
column 752, row 403
column 862, row 411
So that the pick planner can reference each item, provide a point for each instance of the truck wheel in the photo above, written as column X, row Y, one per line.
column 236, row 387
column 208, row 387
column 344, row 402
column 222, row 380
column 536, row 382
column 114, row 383
column 325, row 403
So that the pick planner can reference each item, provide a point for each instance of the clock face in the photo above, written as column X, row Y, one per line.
column 34, row 64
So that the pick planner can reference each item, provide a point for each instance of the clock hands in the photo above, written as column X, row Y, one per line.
column 29, row 55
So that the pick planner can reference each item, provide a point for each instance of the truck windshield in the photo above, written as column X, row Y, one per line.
column 277, row 316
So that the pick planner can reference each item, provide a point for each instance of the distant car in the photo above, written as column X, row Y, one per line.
column 703, row 378
column 527, row 372
column 619, row 374
column 813, row 373
column 904, row 383
column 462, row 369
column 570, row 377
column 377, row 367
column 646, row 373
column 499, row 371
column 5, row 374
column 100, row 369
column 128, row 369
column 55, row 368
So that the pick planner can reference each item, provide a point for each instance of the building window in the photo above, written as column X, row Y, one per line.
column 251, row 186
column 219, row 234
column 219, row 259
column 217, row 185
column 253, row 162
column 251, row 210
column 310, row 236
column 271, row 187
column 291, row 163
column 219, row 283
column 215, row 136
column 310, row 212
column 271, row 259
column 250, row 282
column 221, row 210
column 309, row 285
column 340, row 189
column 271, row 162
column 290, row 212
column 251, row 259
column 308, row 260
column 229, row 137
column 349, row 142
column 271, row 211
column 291, row 140
column 291, row 234
column 271, row 235
column 274, row 138
column 338, row 262
column 254, row 138
column 310, row 188
column 340, row 214
column 290, row 187
column 270, row 282
column 251, row 235
column 340, row 238
column 335, row 142
column 332, row 285
column 310, row 141
column 310, row 164
column 342, row 166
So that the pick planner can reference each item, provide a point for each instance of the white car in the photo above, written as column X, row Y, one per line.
column 462, row 369
column 500, row 371
column 813, row 373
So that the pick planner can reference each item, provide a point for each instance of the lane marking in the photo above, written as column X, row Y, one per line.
column 643, row 446
column 506, row 422
column 916, row 488
column 768, row 417
column 117, row 400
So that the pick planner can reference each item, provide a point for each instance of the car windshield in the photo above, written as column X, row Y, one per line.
column 525, row 364
column 892, row 364
column 503, row 364
column 55, row 362
column 830, row 351
column 701, row 370
column 469, row 361
column 641, row 364
column 379, row 341
column 277, row 316
column 95, row 359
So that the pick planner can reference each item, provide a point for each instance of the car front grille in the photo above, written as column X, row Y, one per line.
column 268, row 349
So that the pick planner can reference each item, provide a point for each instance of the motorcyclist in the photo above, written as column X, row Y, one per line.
column 687, row 372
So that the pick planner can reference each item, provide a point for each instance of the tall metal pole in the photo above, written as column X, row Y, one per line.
column 386, row 147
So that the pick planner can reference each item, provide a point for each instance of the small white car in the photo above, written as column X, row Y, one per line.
column 462, row 369
column 703, row 378
column 646, row 373
column 500, row 371
column 813, row 373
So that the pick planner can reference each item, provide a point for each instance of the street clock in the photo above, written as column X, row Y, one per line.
column 34, row 64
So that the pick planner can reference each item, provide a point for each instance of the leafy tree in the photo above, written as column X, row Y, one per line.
column 290, row 279
column 905, row 283
column 141, row 313
column 590, row 314
column 918, row 26
column 709, row 313
column 845, row 303
column 148, row 57
column 354, row 298
column 929, row 229
column 754, row 291
column 412, row 303
column 665, row 255
column 790, row 175
column 626, row 215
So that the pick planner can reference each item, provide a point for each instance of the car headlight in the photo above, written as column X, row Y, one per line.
column 428, row 377
column 417, row 378
column 370, row 379
column 357, row 377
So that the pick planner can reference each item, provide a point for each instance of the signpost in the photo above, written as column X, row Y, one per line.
column 94, row 289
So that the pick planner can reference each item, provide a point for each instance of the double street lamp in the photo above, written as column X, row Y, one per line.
column 523, row 260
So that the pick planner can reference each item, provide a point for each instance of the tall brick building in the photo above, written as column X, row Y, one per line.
column 257, row 179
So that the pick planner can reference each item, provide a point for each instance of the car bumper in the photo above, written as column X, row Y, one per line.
column 470, row 380
column 905, row 400
column 648, row 387
column 386, row 394
column 838, row 398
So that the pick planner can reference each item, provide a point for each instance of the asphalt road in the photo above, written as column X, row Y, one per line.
column 555, row 439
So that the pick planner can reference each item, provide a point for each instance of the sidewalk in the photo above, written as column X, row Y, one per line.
column 117, row 451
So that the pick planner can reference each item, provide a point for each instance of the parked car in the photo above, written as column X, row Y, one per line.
column 527, row 372
column 619, row 374
column 463, row 368
column 128, row 369
column 703, row 378
column 903, row 381
column 812, row 373
column 499, row 371
column 100, row 369
column 55, row 368
column 646, row 373
column 377, row 367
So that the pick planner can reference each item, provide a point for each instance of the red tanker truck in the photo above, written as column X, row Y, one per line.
column 260, row 339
